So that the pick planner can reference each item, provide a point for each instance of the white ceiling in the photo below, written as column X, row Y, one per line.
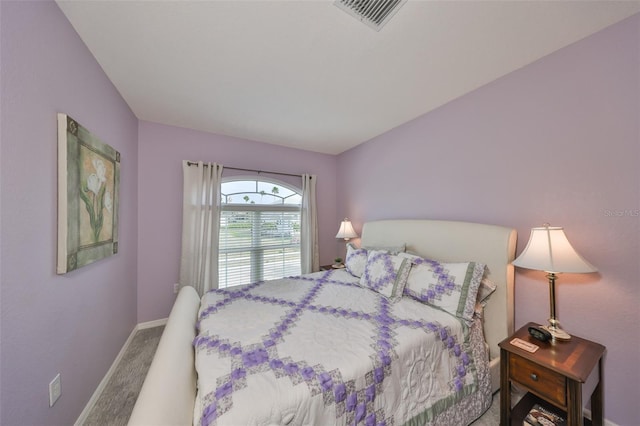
column 306, row 74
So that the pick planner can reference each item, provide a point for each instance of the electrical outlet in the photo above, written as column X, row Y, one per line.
column 54, row 390
column 176, row 288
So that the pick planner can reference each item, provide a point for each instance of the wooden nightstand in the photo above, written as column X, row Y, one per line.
column 328, row 267
column 556, row 375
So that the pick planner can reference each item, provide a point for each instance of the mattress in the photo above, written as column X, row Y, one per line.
column 321, row 349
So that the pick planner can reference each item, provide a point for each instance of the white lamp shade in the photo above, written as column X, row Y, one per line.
column 346, row 230
column 549, row 250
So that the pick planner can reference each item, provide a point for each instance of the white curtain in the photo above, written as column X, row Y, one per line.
column 309, row 226
column 200, row 225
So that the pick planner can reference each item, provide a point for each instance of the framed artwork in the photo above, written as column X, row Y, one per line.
column 88, row 192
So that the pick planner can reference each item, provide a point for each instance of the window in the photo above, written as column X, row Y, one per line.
column 259, row 231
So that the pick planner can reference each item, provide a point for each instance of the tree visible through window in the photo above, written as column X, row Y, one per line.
column 259, row 231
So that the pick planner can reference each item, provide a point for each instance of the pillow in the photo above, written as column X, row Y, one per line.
column 452, row 287
column 388, row 249
column 357, row 257
column 410, row 256
column 356, row 260
column 386, row 273
column 487, row 287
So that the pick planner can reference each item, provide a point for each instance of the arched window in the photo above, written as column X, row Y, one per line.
column 259, row 231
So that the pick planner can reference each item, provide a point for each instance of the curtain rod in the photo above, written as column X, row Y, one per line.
column 193, row 163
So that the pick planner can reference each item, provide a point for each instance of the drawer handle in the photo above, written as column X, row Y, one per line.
column 534, row 377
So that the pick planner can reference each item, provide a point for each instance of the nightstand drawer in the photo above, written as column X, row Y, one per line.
column 543, row 381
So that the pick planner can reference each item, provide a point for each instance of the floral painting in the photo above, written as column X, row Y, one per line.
column 96, row 179
column 88, row 184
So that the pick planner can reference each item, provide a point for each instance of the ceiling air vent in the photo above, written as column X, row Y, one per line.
column 374, row 13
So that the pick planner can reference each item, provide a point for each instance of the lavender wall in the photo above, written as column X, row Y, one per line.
column 557, row 141
column 73, row 324
column 161, row 151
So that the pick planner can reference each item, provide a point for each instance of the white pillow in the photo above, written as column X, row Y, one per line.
column 386, row 273
column 487, row 287
column 356, row 260
column 452, row 287
column 389, row 249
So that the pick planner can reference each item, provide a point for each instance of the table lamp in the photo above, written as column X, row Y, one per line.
column 549, row 250
column 346, row 230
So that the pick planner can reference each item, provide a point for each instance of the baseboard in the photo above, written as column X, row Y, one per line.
column 587, row 413
column 151, row 324
column 103, row 383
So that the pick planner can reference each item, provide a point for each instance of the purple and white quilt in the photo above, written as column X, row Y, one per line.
column 321, row 349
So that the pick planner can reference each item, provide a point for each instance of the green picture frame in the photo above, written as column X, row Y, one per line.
column 88, row 197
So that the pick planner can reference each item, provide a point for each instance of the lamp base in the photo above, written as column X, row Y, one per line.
column 557, row 333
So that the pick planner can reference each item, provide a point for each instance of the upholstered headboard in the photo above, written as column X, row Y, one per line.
column 452, row 241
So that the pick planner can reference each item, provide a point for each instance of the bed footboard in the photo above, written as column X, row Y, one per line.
column 169, row 390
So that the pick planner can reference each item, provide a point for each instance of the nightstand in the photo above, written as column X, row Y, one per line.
column 556, row 376
column 328, row 267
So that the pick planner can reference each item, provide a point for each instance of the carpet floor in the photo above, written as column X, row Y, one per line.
column 116, row 402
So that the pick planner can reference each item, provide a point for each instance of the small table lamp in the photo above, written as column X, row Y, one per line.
column 549, row 250
column 346, row 230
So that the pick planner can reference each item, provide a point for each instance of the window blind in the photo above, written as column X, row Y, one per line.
column 258, row 242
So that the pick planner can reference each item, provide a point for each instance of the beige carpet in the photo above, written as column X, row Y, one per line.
column 114, row 406
column 492, row 416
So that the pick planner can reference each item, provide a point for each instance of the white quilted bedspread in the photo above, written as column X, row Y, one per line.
column 320, row 349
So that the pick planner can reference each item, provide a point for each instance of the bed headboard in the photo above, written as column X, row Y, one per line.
column 452, row 241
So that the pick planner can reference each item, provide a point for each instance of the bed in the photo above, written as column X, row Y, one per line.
column 371, row 373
